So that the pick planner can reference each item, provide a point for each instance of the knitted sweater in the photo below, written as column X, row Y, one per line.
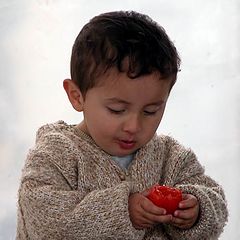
column 71, row 189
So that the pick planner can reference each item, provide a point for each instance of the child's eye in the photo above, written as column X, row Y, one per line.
column 150, row 112
column 115, row 111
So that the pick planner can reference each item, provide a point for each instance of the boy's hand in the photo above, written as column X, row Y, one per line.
column 188, row 212
column 144, row 214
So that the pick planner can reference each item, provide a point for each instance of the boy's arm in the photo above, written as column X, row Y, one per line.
column 49, row 208
column 188, row 175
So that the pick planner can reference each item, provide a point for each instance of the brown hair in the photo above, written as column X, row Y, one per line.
column 109, row 38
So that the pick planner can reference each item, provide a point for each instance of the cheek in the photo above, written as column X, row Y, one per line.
column 101, row 123
column 152, row 125
column 158, row 119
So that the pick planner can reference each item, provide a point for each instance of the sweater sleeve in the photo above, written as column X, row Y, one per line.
column 52, row 209
column 188, row 175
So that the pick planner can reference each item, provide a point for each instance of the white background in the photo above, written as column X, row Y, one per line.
column 203, row 112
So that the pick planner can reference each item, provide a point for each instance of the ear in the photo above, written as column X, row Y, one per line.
column 74, row 94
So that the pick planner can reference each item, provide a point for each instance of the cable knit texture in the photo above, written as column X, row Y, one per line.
column 71, row 189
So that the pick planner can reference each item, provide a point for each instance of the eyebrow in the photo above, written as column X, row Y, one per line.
column 118, row 100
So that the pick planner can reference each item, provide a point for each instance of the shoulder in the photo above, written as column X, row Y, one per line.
column 169, row 151
column 53, row 159
column 180, row 162
column 175, row 154
column 54, row 130
column 57, row 136
column 61, row 141
column 56, row 141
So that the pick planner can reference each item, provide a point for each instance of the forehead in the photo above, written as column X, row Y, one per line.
column 113, row 77
column 149, row 87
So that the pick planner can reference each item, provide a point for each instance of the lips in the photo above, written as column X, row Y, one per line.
column 125, row 144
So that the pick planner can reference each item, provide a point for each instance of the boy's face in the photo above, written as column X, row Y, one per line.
column 122, row 114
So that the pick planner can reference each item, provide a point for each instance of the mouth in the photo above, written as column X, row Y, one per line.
column 126, row 144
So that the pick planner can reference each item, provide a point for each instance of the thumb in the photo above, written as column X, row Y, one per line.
column 146, row 192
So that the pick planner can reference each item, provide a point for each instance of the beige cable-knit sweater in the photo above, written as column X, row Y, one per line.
column 71, row 189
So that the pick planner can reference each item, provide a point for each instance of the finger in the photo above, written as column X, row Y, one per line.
column 184, row 214
column 189, row 201
column 181, row 222
column 154, row 213
column 149, row 207
column 183, row 226
column 144, row 222
column 145, row 192
column 153, row 219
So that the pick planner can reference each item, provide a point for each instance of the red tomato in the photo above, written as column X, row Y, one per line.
column 165, row 197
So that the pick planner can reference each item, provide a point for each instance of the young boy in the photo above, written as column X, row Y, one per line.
column 90, row 180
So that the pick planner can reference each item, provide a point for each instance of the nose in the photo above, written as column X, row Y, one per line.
column 132, row 124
